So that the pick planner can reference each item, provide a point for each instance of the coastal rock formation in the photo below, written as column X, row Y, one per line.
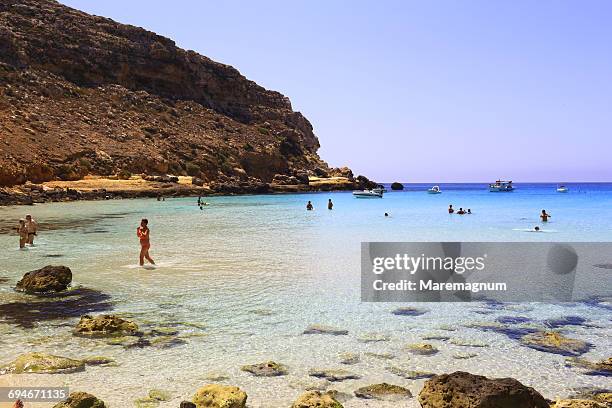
column 397, row 186
column 384, row 391
column 48, row 279
column 553, row 342
column 316, row 399
column 334, row 375
column 349, row 358
column 409, row 374
column 219, row 396
column 267, row 369
column 81, row 400
column 462, row 390
column 40, row 363
column 322, row 329
column 82, row 94
column 105, row 325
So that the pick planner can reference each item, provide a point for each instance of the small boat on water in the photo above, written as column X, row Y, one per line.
column 373, row 193
column 562, row 189
column 434, row 190
column 501, row 186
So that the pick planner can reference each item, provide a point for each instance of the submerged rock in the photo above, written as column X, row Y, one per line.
column 384, row 391
column 423, row 349
column 100, row 361
column 349, row 358
column 220, row 396
column 461, row 389
column 553, row 342
column 267, row 369
column 216, row 376
column 316, row 399
column 373, row 337
column 602, row 368
column 468, row 343
column 40, row 363
column 408, row 373
column 334, row 375
column 408, row 311
column 160, row 395
column 105, row 325
column 463, row 355
column 323, row 329
column 48, row 279
column 80, row 400
column 380, row 356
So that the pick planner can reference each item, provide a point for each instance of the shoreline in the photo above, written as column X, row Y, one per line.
column 94, row 188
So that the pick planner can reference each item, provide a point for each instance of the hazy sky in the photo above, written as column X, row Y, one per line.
column 420, row 91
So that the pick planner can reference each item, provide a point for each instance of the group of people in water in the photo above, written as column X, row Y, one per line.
column 310, row 207
column 461, row 211
column 27, row 230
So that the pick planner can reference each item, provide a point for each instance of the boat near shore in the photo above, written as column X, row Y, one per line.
column 562, row 189
column 372, row 193
column 501, row 186
column 434, row 190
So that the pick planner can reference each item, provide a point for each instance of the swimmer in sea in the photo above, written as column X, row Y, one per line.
column 386, row 214
column 330, row 205
column 451, row 209
column 143, row 234
column 460, row 212
column 536, row 229
column 544, row 216
column 469, row 211
column 309, row 206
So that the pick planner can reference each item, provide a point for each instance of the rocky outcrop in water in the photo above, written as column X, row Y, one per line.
column 462, row 390
column 323, row 329
column 316, row 399
column 81, row 400
column 48, row 279
column 220, row 396
column 105, row 325
column 82, row 94
column 395, row 186
column 383, row 391
column 267, row 369
column 553, row 342
column 40, row 363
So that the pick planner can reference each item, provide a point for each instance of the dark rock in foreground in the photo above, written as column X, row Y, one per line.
column 81, row 400
column 465, row 390
column 48, row 279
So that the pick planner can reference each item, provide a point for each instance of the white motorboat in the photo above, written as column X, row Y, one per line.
column 434, row 190
column 373, row 193
column 562, row 189
column 501, row 186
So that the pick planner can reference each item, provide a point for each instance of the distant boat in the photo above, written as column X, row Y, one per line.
column 501, row 186
column 434, row 190
column 562, row 189
column 373, row 193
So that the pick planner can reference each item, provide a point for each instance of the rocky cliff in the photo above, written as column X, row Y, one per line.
column 81, row 94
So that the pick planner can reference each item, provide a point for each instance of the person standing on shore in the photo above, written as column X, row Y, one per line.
column 32, row 227
column 143, row 234
column 22, row 230
column 330, row 205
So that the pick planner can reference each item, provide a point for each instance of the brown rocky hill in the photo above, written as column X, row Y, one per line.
column 81, row 94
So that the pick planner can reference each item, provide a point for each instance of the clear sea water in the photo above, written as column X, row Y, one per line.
column 241, row 279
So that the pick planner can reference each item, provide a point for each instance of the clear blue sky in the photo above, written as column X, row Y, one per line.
column 432, row 91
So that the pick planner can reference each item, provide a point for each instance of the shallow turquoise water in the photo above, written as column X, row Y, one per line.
column 243, row 278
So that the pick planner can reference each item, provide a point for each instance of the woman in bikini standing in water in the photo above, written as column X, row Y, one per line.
column 143, row 233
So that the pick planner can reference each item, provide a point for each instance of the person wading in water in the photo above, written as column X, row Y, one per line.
column 143, row 233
